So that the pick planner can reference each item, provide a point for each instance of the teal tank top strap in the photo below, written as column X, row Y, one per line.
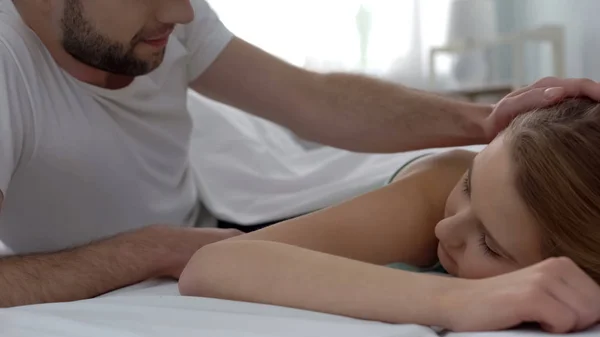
column 412, row 160
column 435, row 269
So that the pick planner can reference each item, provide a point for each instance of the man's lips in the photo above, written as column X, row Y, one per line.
column 159, row 40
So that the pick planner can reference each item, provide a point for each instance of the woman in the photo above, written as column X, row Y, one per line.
column 495, row 220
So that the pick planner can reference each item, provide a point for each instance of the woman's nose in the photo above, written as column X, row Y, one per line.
column 450, row 232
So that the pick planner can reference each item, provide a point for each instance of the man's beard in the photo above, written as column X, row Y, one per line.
column 86, row 45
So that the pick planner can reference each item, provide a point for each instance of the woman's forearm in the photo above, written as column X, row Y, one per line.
column 279, row 274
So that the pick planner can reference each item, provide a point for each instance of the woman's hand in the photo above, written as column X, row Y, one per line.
column 555, row 293
column 543, row 93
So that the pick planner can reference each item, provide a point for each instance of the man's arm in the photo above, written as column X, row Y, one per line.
column 365, row 114
column 79, row 273
column 343, row 110
column 100, row 267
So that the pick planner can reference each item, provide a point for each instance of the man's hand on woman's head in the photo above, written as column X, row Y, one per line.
column 543, row 93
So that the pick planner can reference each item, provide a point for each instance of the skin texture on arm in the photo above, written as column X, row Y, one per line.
column 279, row 274
column 77, row 274
column 392, row 224
column 91, row 270
column 365, row 114
column 339, row 109
column 322, row 260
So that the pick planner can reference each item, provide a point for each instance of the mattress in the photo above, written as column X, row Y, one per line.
column 155, row 308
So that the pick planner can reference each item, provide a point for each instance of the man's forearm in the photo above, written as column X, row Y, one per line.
column 78, row 273
column 386, row 117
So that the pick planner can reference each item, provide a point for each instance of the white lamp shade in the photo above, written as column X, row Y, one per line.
column 472, row 19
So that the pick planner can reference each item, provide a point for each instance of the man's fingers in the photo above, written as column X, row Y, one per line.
column 543, row 93
column 547, row 82
column 521, row 90
column 582, row 88
column 573, row 87
column 529, row 100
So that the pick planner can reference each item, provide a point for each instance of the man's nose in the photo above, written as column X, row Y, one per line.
column 175, row 11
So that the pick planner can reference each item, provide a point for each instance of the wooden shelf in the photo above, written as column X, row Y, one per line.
column 553, row 34
column 483, row 91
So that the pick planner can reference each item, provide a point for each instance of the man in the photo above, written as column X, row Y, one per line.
column 95, row 133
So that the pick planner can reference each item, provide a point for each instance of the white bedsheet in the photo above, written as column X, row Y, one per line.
column 154, row 308
column 160, row 311
column 253, row 171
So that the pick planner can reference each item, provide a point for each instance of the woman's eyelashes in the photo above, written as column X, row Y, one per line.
column 486, row 249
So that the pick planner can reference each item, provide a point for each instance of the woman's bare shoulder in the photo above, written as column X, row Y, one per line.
column 437, row 175
column 451, row 160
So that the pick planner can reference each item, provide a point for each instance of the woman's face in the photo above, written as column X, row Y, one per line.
column 487, row 230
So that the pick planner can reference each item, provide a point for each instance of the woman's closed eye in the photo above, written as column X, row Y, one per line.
column 466, row 185
column 486, row 248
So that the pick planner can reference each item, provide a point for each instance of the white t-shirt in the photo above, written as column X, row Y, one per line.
column 80, row 163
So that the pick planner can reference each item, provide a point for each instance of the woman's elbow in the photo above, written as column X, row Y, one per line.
column 204, row 274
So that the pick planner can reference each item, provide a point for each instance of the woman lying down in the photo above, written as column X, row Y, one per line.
column 517, row 225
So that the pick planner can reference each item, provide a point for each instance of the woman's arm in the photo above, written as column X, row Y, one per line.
column 392, row 224
column 328, row 261
column 280, row 274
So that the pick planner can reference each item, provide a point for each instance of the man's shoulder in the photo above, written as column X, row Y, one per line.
column 19, row 67
column 11, row 50
column 17, row 48
column 11, row 42
column 23, row 57
column 204, row 38
column 14, row 35
column 16, row 64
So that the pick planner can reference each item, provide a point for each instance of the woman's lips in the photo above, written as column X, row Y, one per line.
column 446, row 260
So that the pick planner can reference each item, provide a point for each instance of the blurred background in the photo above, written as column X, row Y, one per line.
column 478, row 49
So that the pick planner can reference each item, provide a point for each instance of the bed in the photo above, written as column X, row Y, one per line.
column 155, row 308
column 223, row 140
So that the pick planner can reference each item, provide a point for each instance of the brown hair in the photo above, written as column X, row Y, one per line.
column 556, row 153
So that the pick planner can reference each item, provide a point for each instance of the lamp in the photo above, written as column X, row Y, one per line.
column 472, row 21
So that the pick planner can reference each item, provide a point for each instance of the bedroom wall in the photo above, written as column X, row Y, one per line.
column 582, row 33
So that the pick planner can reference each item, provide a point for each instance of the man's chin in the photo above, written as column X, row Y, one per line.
column 133, row 66
column 147, row 54
column 132, row 70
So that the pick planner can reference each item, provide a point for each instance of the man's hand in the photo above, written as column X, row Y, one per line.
column 543, row 93
column 181, row 244
column 103, row 266
column 361, row 113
